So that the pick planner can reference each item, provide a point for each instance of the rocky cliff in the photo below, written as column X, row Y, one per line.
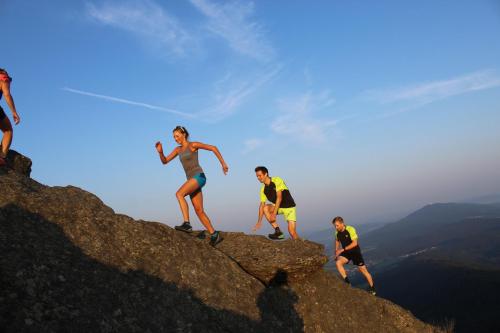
column 69, row 263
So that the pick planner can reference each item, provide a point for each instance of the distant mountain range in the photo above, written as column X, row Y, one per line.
column 441, row 262
column 425, row 228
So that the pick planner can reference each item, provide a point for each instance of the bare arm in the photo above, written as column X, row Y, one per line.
column 10, row 101
column 215, row 150
column 165, row 159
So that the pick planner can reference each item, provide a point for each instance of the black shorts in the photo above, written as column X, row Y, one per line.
column 2, row 114
column 355, row 256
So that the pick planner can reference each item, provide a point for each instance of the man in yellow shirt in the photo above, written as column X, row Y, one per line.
column 275, row 190
column 347, row 249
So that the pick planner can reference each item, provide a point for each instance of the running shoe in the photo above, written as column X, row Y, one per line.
column 201, row 235
column 215, row 238
column 3, row 162
column 372, row 291
column 276, row 235
column 186, row 227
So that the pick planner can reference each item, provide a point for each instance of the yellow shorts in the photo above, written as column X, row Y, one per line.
column 288, row 213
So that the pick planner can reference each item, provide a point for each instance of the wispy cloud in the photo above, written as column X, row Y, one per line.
column 147, row 20
column 300, row 117
column 231, row 92
column 251, row 144
column 232, row 21
column 425, row 93
column 129, row 102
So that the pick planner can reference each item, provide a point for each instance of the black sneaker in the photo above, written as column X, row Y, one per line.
column 372, row 291
column 201, row 235
column 276, row 235
column 215, row 238
column 186, row 227
column 347, row 281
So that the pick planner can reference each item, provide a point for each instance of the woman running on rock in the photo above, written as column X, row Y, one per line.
column 188, row 155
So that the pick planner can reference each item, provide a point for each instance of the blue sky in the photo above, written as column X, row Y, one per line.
column 366, row 109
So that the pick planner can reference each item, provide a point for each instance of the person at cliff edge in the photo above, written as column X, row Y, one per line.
column 275, row 190
column 5, row 124
column 346, row 236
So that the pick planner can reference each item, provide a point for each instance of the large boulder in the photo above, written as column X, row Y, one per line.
column 264, row 258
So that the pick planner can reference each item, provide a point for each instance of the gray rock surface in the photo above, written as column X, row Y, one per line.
column 69, row 263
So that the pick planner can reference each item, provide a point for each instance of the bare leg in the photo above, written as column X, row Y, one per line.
column 341, row 261
column 6, row 128
column 367, row 275
column 189, row 187
column 292, row 229
column 268, row 209
column 197, row 201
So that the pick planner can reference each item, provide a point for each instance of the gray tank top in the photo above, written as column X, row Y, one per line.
column 190, row 163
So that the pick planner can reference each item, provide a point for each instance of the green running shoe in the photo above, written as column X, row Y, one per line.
column 276, row 235
column 215, row 238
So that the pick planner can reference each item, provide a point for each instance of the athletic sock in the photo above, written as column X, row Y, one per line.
column 277, row 229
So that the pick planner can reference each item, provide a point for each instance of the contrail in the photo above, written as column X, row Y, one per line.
column 126, row 101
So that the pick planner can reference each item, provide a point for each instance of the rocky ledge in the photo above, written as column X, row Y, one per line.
column 264, row 259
